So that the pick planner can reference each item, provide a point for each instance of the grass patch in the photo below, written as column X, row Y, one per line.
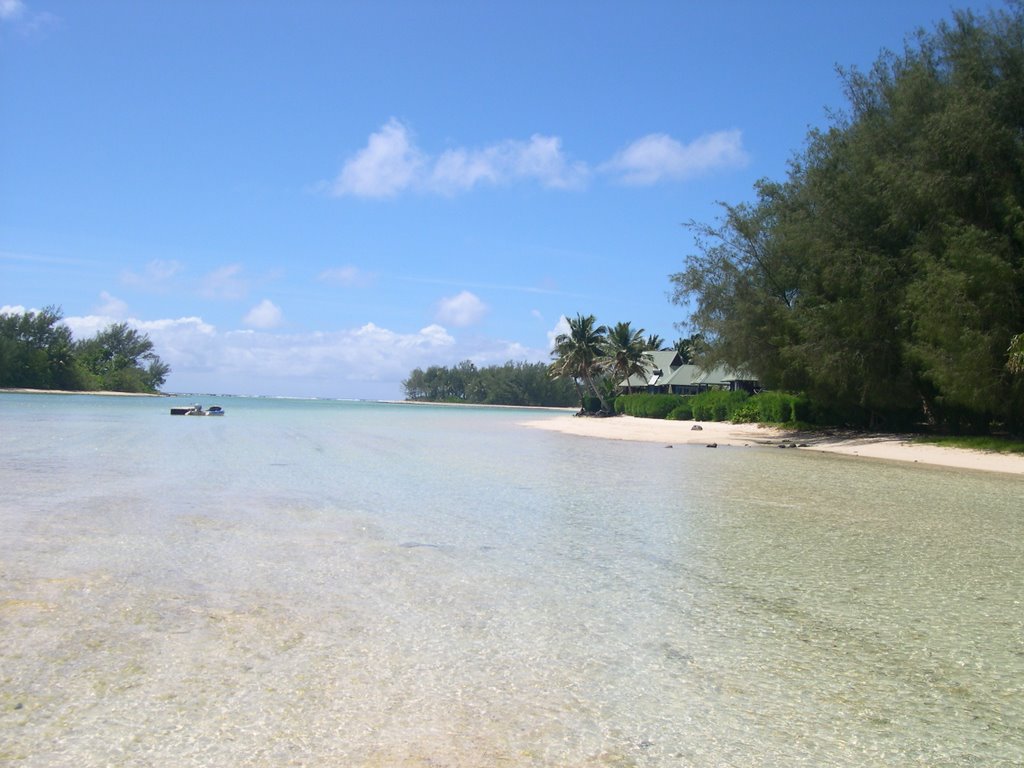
column 977, row 443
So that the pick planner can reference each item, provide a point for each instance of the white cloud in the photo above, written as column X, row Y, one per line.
column 463, row 309
column 391, row 163
column 264, row 315
column 14, row 309
column 346, row 363
column 658, row 157
column 348, row 276
column 112, row 306
column 87, row 326
column 387, row 165
column 367, row 361
column 543, row 160
column 540, row 159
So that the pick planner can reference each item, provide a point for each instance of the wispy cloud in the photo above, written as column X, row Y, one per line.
column 225, row 283
column 11, row 9
column 36, row 258
column 157, row 275
column 392, row 163
column 348, row 276
column 461, row 310
column 27, row 22
column 547, row 288
column 658, row 157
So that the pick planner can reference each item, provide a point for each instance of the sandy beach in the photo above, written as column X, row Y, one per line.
column 866, row 446
column 104, row 392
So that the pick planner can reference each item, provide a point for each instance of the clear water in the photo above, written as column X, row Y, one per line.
column 356, row 584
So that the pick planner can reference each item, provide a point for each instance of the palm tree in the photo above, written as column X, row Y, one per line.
column 654, row 343
column 578, row 354
column 690, row 347
column 624, row 351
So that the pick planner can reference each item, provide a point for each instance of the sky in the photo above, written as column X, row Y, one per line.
column 312, row 199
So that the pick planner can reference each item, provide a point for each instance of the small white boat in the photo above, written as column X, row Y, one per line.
column 196, row 410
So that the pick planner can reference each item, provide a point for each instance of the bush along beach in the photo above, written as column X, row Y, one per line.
column 738, row 407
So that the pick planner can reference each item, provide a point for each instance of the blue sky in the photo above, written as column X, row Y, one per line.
column 314, row 198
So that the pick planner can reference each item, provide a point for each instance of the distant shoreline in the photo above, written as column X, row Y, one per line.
column 889, row 447
column 107, row 393
column 556, row 408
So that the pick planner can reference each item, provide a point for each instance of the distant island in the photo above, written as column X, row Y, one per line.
column 37, row 352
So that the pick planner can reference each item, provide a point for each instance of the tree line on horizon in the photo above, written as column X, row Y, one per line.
column 37, row 351
column 884, row 277
column 514, row 383
column 590, row 360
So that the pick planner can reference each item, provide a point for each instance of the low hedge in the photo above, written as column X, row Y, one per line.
column 718, row 405
column 646, row 406
column 775, row 408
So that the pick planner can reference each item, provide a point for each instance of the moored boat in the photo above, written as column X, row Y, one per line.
column 196, row 410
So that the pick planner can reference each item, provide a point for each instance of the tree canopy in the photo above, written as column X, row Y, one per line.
column 37, row 351
column 514, row 383
column 885, row 275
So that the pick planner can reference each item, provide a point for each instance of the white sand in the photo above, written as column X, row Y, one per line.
column 888, row 447
column 26, row 391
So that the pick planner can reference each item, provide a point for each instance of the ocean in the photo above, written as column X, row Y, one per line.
column 323, row 583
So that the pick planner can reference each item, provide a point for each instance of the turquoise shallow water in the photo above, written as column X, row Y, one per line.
column 321, row 583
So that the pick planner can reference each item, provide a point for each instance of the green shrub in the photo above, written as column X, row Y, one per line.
column 772, row 407
column 719, row 405
column 682, row 412
column 647, row 406
column 716, row 404
column 747, row 413
column 780, row 408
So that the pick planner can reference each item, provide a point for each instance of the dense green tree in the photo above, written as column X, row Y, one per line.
column 36, row 351
column 885, row 276
column 122, row 359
